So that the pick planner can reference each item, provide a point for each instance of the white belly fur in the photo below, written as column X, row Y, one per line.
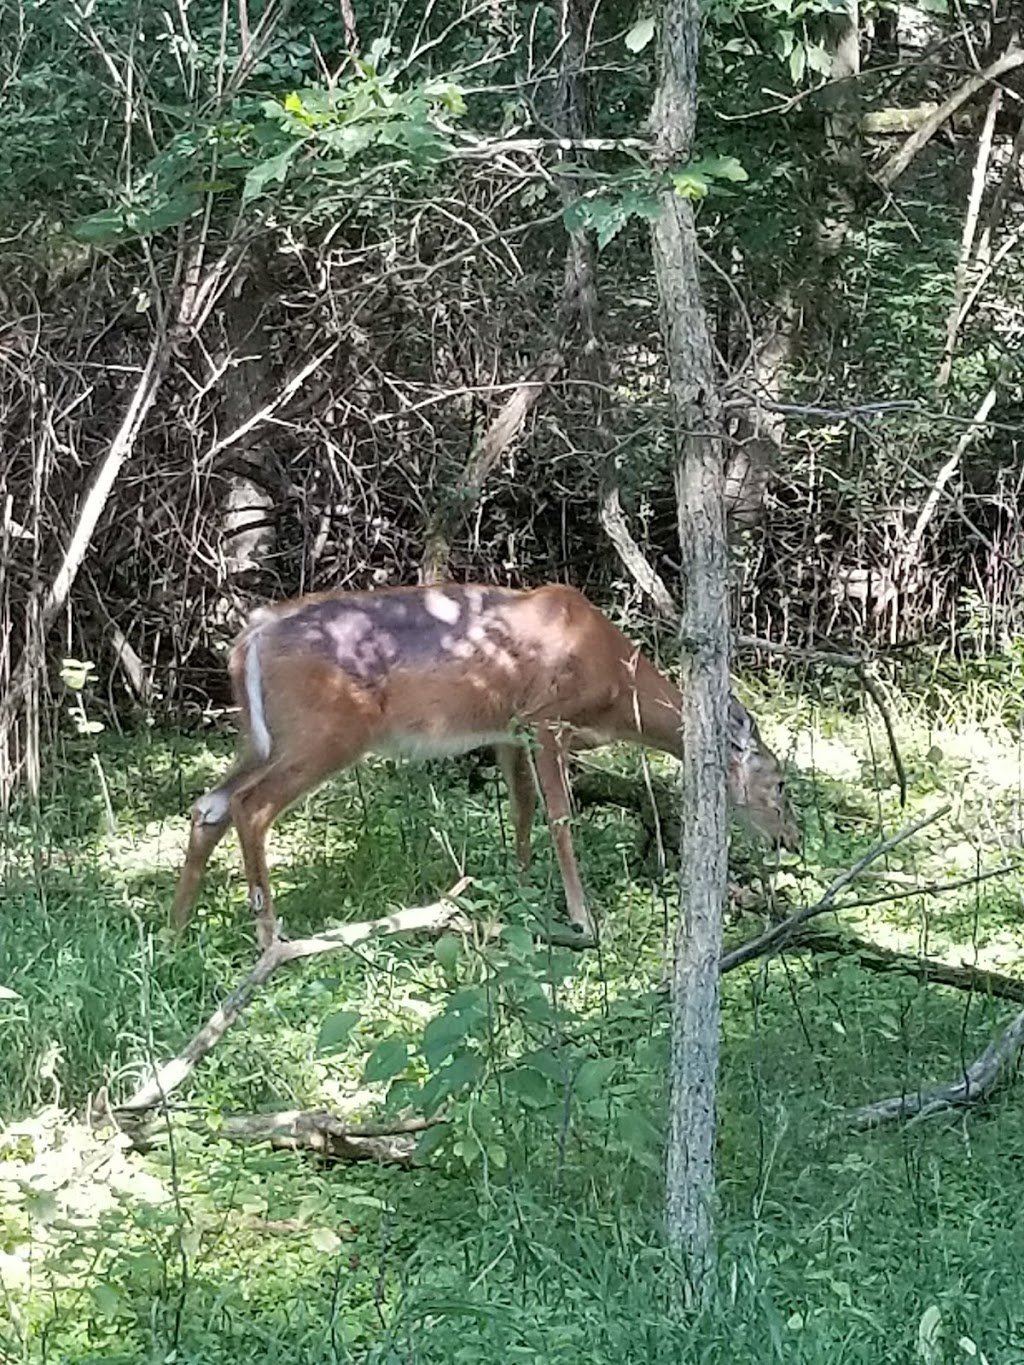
column 424, row 745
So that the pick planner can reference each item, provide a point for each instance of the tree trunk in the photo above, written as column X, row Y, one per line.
column 247, row 516
column 704, row 670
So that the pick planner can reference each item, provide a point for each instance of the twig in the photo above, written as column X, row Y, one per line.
column 780, row 934
column 963, row 977
column 977, row 1082
column 416, row 919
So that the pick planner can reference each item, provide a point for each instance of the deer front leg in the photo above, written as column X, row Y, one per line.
column 258, row 802
column 522, row 793
column 550, row 769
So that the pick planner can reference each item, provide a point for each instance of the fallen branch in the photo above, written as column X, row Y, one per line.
column 300, row 1130
column 898, row 163
column 322, row 1133
column 780, row 935
column 318, row 1131
column 977, row 980
column 977, row 1082
column 418, row 919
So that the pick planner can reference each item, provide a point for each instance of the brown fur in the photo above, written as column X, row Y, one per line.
column 446, row 669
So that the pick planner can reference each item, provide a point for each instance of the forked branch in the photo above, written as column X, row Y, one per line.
column 418, row 919
column 780, row 935
column 976, row 1083
column 898, row 163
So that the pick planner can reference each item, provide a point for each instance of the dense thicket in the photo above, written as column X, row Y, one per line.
column 353, row 260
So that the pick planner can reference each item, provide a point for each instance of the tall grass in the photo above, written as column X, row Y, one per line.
column 535, row 1235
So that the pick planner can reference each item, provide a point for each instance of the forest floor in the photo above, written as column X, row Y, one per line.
column 533, row 1231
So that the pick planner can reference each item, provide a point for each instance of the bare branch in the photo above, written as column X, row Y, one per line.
column 779, row 935
column 977, row 1082
column 93, row 507
column 898, row 163
column 418, row 919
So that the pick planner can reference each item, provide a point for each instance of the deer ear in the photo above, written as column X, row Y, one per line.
column 741, row 725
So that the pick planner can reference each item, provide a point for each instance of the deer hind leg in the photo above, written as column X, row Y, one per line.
column 551, row 776
column 211, row 819
column 514, row 763
column 257, row 803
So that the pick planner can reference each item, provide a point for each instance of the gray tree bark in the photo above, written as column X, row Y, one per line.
column 704, row 672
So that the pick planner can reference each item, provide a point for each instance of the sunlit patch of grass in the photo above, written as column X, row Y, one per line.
column 833, row 1245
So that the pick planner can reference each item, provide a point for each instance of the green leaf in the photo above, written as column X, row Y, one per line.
column 529, row 1087
column 387, row 1059
column 593, row 1077
column 275, row 168
column 518, row 940
column 458, row 1075
column 797, row 63
column 178, row 209
column 638, row 1137
column 497, row 1156
column 689, row 185
column 335, row 1030
column 449, row 95
column 446, row 951
column 640, row 34
column 720, row 168
column 105, row 226
column 549, row 1064
column 108, row 1301
column 429, row 1141
column 442, row 1036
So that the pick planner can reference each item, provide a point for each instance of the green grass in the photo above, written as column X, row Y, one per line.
column 535, row 1233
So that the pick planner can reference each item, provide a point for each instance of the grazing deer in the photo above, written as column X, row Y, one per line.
column 428, row 671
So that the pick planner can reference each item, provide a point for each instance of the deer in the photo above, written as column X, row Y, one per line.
column 324, row 679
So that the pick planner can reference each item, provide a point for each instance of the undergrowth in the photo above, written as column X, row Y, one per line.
column 532, row 1229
